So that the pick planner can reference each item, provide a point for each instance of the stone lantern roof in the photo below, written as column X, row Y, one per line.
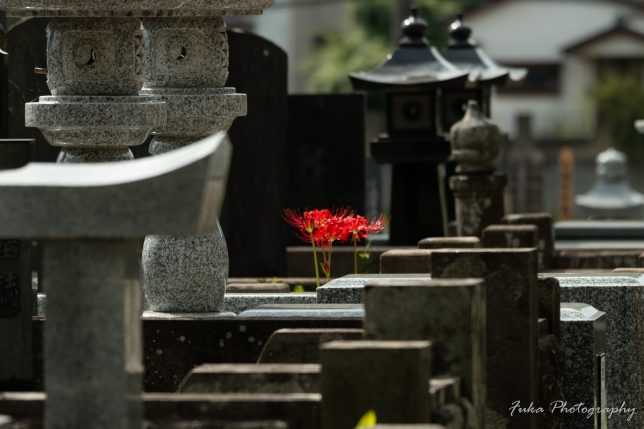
column 466, row 55
column 414, row 65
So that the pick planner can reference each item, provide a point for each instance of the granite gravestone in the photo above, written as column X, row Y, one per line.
column 256, row 191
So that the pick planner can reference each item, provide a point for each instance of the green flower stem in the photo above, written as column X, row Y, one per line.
column 315, row 261
column 355, row 255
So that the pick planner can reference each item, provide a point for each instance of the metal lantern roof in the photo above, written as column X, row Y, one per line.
column 465, row 54
column 414, row 65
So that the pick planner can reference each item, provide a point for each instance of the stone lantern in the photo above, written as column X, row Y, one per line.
column 484, row 73
column 611, row 197
column 413, row 78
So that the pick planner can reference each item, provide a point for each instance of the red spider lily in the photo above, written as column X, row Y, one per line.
column 359, row 227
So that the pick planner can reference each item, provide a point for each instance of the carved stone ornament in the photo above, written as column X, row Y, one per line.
column 475, row 142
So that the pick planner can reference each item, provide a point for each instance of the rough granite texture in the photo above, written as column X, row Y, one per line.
column 185, row 274
column 145, row 8
column 185, row 52
column 306, row 311
column 94, row 56
column 350, row 289
column 622, row 299
column 583, row 330
column 194, row 113
column 180, row 193
column 95, row 122
column 450, row 313
column 238, row 302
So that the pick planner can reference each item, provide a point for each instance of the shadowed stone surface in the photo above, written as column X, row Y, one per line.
column 302, row 345
column 620, row 297
column 408, row 261
column 511, row 308
column 252, row 378
column 389, row 377
column 583, row 330
column 549, row 293
column 450, row 313
column 449, row 242
column 510, row 236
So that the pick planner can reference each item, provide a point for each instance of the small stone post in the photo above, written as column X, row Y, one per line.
column 186, row 65
column 389, row 377
column 477, row 190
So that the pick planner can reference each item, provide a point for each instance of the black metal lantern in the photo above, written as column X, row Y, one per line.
column 483, row 73
column 413, row 78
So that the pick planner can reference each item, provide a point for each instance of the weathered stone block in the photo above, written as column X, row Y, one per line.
column 305, row 311
column 409, row 261
column 449, row 312
column 252, row 378
column 389, row 377
column 350, row 289
column 511, row 322
column 302, row 345
column 258, row 288
column 546, row 234
column 549, row 293
column 478, row 202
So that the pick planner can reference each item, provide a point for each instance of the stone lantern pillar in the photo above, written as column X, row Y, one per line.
column 186, row 65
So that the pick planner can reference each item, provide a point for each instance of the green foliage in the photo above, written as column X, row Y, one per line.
column 369, row 41
column 298, row 288
column 620, row 101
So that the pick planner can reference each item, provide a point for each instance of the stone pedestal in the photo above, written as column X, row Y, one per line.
column 186, row 65
column 479, row 202
column 93, row 334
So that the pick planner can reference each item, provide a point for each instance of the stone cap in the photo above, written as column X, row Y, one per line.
column 451, row 282
column 178, row 193
column 449, row 242
column 519, row 227
column 577, row 311
column 133, row 8
column 375, row 345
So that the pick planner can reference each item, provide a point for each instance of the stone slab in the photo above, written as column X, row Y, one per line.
column 350, row 289
column 171, row 348
column 302, row 345
column 389, row 377
column 583, row 330
column 620, row 297
column 298, row 410
column 407, row 261
column 257, row 288
column 305, row 311
column 545, row 234
column 449, row 242
column 117, row 200
column 418, row 426
column 300, row 260
column 549, row 295
column 581, row 259
column 449, row 312
column 511, row 321
column 252, row 378
column 239, row 302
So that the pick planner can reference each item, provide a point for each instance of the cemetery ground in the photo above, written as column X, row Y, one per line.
column 156, row 287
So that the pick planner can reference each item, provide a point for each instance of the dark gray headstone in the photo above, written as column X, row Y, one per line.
column 255, row 193
column 326, row 151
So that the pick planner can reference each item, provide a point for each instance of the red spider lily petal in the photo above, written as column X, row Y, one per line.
column 378, row 224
